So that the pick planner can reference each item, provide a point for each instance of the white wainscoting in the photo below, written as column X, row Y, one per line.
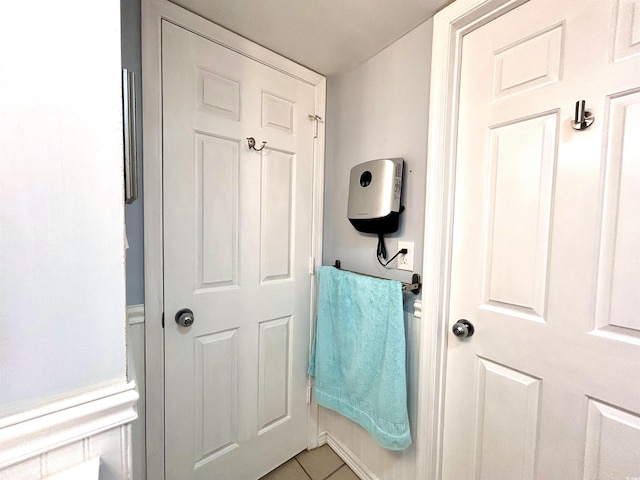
column 53, row 438
column 356, row 447
column 136, row 365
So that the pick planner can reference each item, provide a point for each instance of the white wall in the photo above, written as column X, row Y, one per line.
column 379, row 109
column 62, row 303
column 63, row 392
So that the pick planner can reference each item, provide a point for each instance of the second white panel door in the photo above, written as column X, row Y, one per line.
column 546, row 248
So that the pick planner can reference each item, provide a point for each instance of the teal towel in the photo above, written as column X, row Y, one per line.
column 358, row 355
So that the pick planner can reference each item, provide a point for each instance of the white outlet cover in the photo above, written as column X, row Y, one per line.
column 405, row 261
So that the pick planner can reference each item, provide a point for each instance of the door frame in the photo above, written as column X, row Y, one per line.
column 153, row 12
column 450, row 26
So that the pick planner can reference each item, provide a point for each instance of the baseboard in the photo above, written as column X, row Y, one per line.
column 41, row 430
column 347, row 456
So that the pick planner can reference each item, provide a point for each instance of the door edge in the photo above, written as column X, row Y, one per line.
column 450, row 26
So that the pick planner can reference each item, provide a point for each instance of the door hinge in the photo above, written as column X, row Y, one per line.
column 162, row 319
column 308, row 394
column 312, row 265
column 316, row 119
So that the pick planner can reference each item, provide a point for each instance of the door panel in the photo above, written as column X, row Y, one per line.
column 216, row 406
column 277, row 113
column 627, row 33
column 543, row 52
column 618, row 299
column 216, row 173
column 523, row 157
column 508, row 404
column 274, row 378
column 237, row 243
column 546, row 249
column 611, row 434
column 277, row 215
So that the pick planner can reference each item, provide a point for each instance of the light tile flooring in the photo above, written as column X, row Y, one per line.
column 317, row 464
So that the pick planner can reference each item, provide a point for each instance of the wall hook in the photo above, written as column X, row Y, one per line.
column 582, row 118
column 252, row 144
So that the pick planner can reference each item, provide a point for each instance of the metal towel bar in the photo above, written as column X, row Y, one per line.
column 414, row 286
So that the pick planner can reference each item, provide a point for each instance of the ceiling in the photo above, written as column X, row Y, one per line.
column 328, row 36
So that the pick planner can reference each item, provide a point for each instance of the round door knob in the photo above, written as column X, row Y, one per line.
column 184, row 317
column 463, row 328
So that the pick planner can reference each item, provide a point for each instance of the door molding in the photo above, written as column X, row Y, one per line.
column 153, row 13
column 450, row 26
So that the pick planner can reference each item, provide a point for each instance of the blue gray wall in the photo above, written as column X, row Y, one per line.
column 132, row 60
column 377, row 110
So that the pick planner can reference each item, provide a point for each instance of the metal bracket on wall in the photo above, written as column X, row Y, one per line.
column 316, row 119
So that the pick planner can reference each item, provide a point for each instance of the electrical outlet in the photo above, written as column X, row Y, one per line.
column 405, row 260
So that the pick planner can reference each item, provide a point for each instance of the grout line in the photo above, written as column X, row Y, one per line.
column 343, row 464
column 329, row 475
column 305, row 472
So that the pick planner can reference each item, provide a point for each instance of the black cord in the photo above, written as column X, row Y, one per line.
column 402, row 251
column 382, row 249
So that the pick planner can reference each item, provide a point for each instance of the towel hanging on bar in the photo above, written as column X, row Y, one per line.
column 359, row 354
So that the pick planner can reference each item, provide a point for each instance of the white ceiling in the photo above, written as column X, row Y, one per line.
column 328, row 36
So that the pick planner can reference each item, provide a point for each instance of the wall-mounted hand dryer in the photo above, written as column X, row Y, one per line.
column 374, row 195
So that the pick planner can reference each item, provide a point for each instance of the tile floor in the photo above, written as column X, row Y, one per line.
column 317, row 464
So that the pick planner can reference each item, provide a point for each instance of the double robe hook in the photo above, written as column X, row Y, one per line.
column 252, row 144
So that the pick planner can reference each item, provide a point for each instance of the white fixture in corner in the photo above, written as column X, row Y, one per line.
column 405, row 260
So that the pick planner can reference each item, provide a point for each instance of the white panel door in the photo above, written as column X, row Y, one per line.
column 546, row 248
column 237, row 244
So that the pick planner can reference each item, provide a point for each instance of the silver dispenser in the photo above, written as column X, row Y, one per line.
column 374, row 195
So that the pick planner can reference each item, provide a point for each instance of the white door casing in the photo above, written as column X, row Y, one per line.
column 260, row 181
column 544, row 248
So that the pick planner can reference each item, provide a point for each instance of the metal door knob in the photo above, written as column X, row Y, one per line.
column 184, row 317
column 463, row 328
